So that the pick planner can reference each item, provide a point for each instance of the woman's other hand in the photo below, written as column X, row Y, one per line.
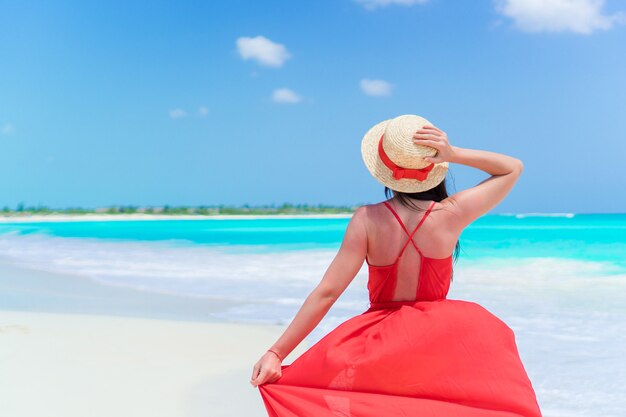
column 267, row 369
column 435, row 138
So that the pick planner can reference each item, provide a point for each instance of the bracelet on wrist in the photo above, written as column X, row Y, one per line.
column 275, row 353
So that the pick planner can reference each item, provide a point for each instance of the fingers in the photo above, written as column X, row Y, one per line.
column 260, row 378
column 431, row 143
column 266, row 376
column 255, row 371
column 433, row 159
column 428, row 140
column 275, row 377
column 432, row 128
column 426, row 136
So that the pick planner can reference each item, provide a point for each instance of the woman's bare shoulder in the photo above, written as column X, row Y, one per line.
column 369, row 214
column 450, row 213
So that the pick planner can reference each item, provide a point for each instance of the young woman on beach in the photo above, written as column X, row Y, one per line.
column 413, row 352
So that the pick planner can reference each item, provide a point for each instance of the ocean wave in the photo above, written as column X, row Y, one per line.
column 523, row 215
column 568, row 314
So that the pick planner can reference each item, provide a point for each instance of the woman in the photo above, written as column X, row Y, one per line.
column 413, row 352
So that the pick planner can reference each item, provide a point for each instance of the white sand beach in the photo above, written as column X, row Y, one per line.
column 78, row 365
column 72, row 347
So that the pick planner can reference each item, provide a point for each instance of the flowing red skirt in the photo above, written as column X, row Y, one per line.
column 444, row 358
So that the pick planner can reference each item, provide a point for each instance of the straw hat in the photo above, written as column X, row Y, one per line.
column 396, row 161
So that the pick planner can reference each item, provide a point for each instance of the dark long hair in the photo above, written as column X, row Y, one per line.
column 439, row 193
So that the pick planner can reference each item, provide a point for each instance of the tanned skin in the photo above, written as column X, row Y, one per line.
column 457, row 212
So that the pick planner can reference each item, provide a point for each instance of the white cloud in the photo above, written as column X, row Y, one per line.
column 177, row 113
column 375, row 4
column 285, row 95
column 578, row 16
column 7, row 129
column 203, row 111
column 377, row 88
column 263, row 50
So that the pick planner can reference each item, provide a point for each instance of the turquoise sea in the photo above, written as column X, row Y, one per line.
column 559, row 280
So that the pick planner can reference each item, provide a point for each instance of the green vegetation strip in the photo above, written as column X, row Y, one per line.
column 22, row 210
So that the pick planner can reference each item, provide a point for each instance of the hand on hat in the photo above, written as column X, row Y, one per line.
column 435, row 138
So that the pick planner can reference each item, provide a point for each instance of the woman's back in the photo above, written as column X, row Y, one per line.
column 408, row 256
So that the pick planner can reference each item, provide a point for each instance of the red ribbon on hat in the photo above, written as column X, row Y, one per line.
column 398, row 172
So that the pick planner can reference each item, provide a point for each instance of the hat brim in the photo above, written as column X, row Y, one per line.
column 369, row 152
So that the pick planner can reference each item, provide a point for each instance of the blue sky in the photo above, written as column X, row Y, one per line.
column 260, row 102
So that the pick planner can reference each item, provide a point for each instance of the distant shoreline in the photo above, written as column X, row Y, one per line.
column 138, row 216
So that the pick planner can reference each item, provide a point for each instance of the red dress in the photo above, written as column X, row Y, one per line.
column 428, row 357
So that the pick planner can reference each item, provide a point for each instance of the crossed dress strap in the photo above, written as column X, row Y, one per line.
column 410, row 240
